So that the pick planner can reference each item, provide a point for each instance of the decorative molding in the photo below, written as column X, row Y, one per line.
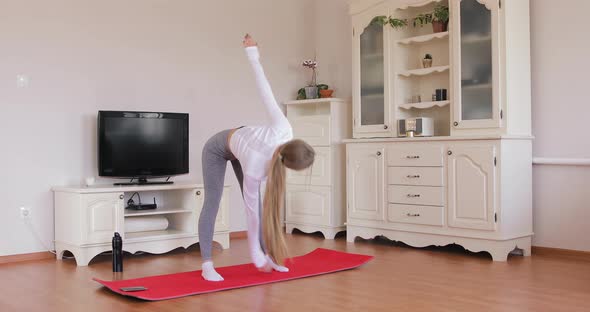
column 498, row 249
column 558, row 252
column 26, row 257
column 561, row 161
column 489, row 4
column 419, row 4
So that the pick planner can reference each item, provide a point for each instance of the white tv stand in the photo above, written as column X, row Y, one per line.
column 87, row 217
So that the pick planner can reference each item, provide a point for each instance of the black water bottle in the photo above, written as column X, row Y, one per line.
column 117, row 253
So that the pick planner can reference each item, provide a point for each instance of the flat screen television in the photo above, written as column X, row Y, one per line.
column 142, row 145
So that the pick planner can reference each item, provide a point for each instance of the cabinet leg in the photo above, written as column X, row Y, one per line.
column 59, row 254
column 330, row 234
column 525, row 245
column 223, row 240
column 350, row 236
column 499, row 254
column 526, row 251
column 82, row 258
column 289, row 228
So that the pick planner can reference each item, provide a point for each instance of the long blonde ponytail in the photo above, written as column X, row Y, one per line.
column 295, row 155
column 272, row 235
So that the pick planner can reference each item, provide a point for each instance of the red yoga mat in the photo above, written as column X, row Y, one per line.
column 317, row 262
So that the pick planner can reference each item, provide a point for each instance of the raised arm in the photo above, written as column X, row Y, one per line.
column 277, row 118
column 251, row 200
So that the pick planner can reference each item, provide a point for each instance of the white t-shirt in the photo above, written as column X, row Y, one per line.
column 254, row 147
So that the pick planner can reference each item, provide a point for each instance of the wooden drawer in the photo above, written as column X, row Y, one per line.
column 428, row 176
column 427, row 215
column 320, row 172
column 315, row 130
column 416, row 195
column 414, row 155
column 308, row 204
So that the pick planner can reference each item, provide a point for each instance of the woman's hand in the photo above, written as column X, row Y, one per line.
column 248, row 41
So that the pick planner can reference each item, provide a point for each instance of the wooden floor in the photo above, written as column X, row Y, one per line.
column 400, row 278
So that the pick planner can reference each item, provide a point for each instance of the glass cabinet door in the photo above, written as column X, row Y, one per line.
column 370, row 88
column 372, row 74
column 476, row 58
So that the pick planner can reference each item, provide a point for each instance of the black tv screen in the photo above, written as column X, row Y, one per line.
column 142, row 144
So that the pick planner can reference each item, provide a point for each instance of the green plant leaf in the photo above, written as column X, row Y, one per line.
column 379, row 20
column 397, row 23
column 301, row 94
column 441, row 13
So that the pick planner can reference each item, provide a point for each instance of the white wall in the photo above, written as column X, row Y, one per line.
column 83, row 56
column 561, row 108
column 183, row 55
column 333, row 45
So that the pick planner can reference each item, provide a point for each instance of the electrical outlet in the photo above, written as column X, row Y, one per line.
column 25, row 213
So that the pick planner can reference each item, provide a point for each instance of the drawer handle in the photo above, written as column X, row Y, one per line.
column 415, row 176
column 413, row 195
column 120, row 196
column 413, row 214
column 412, row 157
column 378, row 153
column 198, row 192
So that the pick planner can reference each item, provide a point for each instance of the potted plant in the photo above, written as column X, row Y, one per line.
column 325, row 91
column 427, row 61
column 311, row 90
column 440, row 18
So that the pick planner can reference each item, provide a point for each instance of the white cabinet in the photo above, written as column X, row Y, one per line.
column 472, row 186
column 315, row 197
column 470, row 183
column 309, row 205
column 365, row 178
column 86, row 219
column 101, row 217
column 482, row 61
column 476, row 194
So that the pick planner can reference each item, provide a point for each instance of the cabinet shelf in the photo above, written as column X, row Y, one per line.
column 155, row 234
column 424, row 71
column 475, row 87
column 424, row 38
column 157, row 211
column 473, row 39
column 424, row 105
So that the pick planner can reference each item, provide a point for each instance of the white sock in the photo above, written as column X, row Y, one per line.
column 209, row 272
column 275, row 266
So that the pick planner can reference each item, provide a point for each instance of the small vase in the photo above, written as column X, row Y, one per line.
column 427, row 63
column 311, row 92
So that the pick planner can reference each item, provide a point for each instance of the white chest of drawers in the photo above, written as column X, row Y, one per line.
column 315, row 199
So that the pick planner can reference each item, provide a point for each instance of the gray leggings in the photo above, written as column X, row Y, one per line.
column 215, row 156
